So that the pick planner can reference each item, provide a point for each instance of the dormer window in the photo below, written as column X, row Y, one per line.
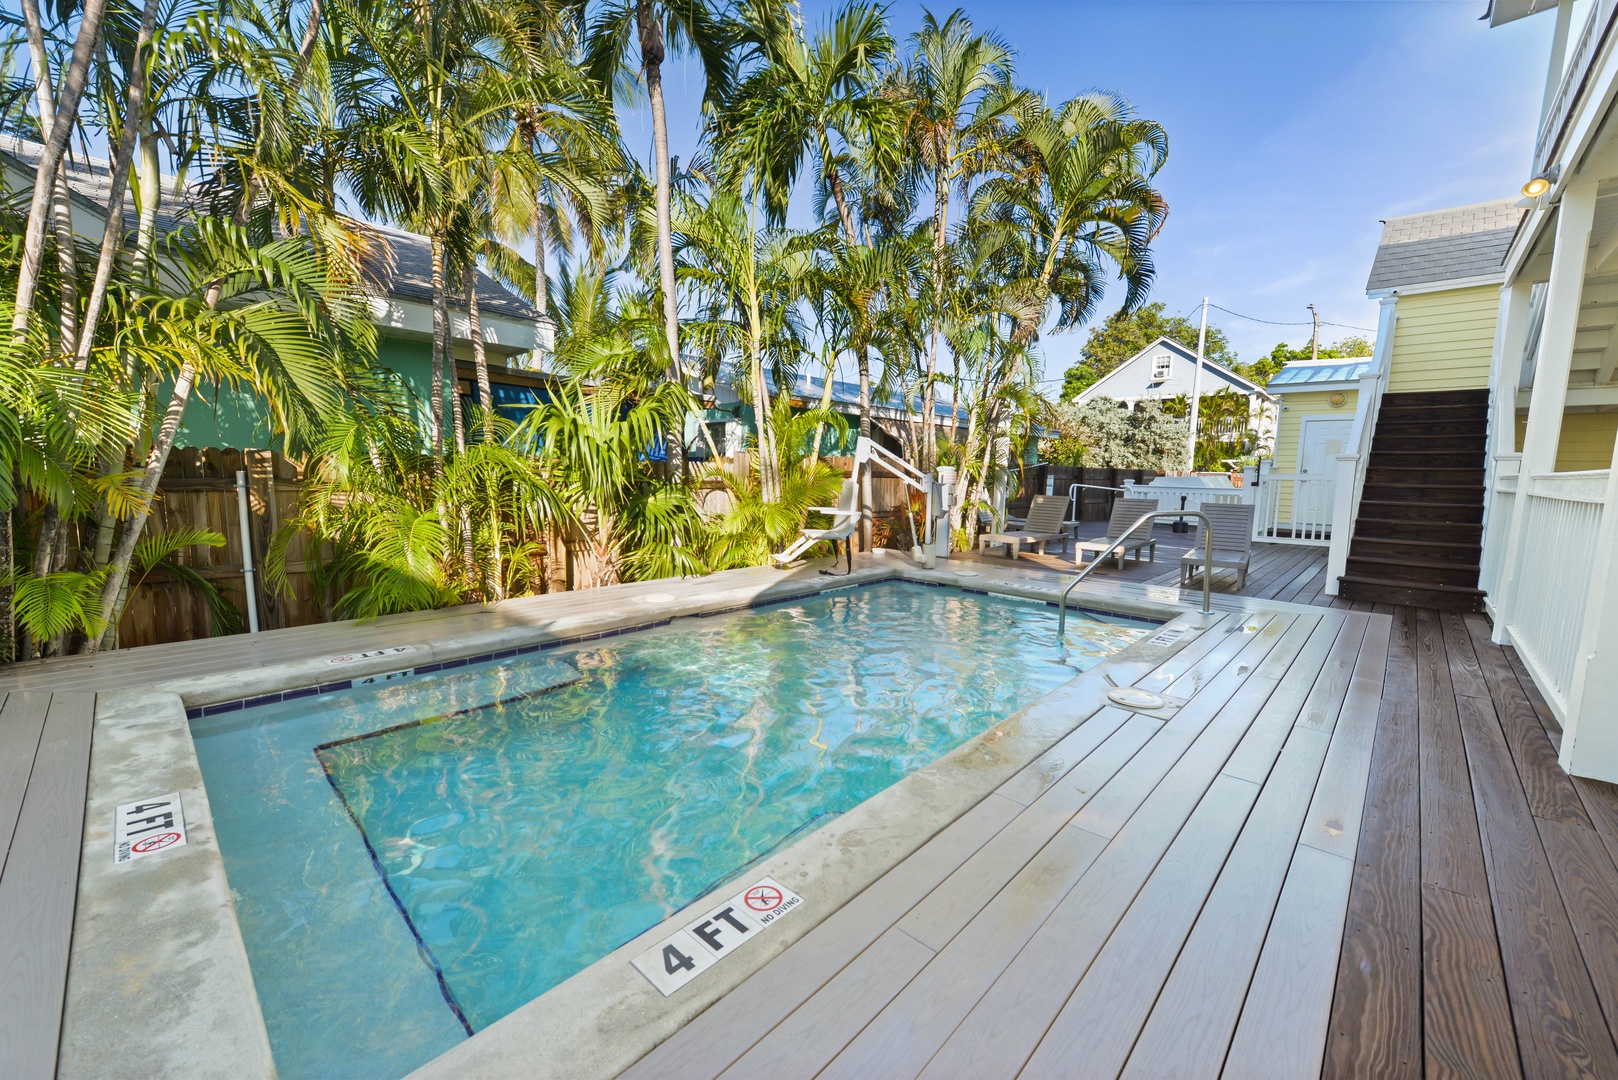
column 1162, row 364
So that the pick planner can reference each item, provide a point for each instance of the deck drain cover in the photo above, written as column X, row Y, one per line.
column 966, row 573
column 1135, row 699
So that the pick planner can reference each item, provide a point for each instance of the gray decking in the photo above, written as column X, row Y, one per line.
column 44, row 768
column 1151, row 897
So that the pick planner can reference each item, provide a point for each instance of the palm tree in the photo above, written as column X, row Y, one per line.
column 749, row 284
column 821, row 98
column 962, row 107
column 629, row 523
column 654, row 25
column 283, row 318
column 1083, row 207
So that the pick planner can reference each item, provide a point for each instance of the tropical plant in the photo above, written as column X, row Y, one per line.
column 753, row 528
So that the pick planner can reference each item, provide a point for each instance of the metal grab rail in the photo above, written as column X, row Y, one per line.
column 1207, row 564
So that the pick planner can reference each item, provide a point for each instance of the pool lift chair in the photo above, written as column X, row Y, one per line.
column 848, row 513
column 845, row 518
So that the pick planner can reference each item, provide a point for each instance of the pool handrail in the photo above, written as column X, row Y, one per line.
column 1207, row 564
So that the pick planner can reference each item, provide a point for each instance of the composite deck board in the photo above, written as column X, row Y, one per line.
column 22, row 719
column 1467, row 1024
column 1376, row 1013
column 38, row 887
column 1560, row 1027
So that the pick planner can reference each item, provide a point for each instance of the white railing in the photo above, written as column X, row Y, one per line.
column 1567, row 91
column 1500, row 510
column 1169, row 490
column 1563, row 520
column 1294, row 508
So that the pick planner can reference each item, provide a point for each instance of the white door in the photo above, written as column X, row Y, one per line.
column 1320, row 440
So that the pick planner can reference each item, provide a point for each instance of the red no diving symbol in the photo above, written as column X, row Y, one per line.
column 154, row 843
column 762, row 898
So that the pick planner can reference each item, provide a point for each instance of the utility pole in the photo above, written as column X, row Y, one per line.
column 1196, row 383
column 1314, row 342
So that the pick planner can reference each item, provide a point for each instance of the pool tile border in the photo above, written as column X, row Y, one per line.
column 194, row 712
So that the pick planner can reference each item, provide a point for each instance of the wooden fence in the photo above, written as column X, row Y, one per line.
column 199, row 491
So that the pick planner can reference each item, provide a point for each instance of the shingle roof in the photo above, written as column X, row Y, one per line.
column 1303, row 373
column 1444, row 245
column 408, row 275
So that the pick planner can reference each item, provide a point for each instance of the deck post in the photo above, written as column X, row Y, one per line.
column 1551, row 369
column 1505, row 372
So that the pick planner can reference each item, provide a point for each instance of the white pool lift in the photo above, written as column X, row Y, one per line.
column 846, row 515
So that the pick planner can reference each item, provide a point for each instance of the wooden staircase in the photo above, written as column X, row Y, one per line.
column 1419, row 537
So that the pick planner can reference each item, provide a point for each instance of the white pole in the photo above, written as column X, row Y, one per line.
column 247, row 552
column 1196, row 383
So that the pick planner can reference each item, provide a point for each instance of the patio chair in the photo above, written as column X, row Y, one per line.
column 845, row 518
column 1045, row 522
column 1125, row 513
column 1232, row 542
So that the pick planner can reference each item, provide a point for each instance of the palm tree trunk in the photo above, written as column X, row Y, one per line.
column 8, row 624
column 651, row 55
column 435, row 425
column 112, row 236
column 113, row 591
column 864, row 355
column 64, row 116
column 825, row 405
column 542, row 301
column 486, row 396
column 929, row 434
column 479, row 357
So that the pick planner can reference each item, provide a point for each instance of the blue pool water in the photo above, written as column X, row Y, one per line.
column 418, row 859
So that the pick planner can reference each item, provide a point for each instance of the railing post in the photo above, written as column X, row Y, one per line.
column 1555, row 360
column 1505, row 372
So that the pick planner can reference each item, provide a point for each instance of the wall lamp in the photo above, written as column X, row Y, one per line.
column 1540, row 184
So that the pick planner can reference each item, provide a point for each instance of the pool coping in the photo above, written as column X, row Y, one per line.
column 183, row 936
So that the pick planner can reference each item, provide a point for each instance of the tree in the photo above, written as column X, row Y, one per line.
column 1104, row 434
column 653, row 25
column 962, row 106
column 1126, row 333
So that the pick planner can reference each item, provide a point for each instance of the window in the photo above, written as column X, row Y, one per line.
column 1162, row 364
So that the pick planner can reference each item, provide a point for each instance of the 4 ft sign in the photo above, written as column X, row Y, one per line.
column 148, row 826
column 687, row 953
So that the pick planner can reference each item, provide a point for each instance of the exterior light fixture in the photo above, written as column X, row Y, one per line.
column 1540, row 184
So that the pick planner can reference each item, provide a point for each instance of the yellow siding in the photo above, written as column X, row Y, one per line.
column 1295, row 405
column 1586, row 440
column 1442, row 340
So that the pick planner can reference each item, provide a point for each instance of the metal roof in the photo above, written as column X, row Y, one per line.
column 404, row 271
column 1303, row 373
column 1444, row 245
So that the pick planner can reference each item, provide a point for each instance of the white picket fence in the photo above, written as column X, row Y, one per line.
column 1554, row 572
column 1294, row 508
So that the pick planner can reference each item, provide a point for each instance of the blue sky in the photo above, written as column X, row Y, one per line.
column 1293, row 128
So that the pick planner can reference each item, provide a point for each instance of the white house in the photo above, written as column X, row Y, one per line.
column 1166, row 369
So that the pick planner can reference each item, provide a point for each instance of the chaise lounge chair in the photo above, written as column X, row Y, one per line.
column 845, row 518
column 1045, row 522
column 1232, row 542
column 1125, row 513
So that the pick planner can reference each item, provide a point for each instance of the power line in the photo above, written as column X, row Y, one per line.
column 1307, row 322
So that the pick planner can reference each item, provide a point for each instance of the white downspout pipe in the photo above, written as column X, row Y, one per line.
column 247, row 552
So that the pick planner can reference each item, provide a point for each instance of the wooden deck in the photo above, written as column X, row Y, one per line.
column 1290, row 573
column 1351, row 852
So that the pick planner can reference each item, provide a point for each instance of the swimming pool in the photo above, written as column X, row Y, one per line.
column 414, row 860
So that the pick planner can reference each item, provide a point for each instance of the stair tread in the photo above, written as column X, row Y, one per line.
column 1414, row 542
column 1394, row 583
column 1419, row 564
